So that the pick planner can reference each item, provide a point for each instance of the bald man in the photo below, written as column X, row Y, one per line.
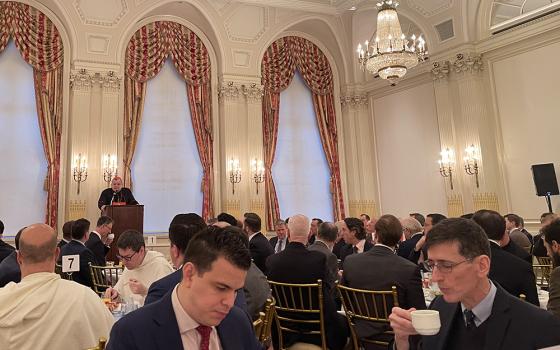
column 44, row 311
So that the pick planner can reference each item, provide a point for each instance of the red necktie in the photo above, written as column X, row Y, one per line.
column 205, row 335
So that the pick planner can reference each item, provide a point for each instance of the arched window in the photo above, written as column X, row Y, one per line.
column 505, row 10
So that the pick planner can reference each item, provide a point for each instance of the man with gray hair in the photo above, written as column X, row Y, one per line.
column 281, row 240
column 326, row 236
column 412, row 230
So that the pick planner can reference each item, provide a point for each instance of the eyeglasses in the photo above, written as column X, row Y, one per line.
column 126, row 258
column 442, row 266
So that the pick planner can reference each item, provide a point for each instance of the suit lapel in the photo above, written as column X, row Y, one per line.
column 446, row 313
column 499, row 320
column 165, row 319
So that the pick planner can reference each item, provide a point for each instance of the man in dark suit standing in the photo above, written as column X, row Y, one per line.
column 259, row 246
column 77, row 246
column 513, row 274
column 5, row 248
column 199, row 312
column 281, row 240
column 396, row 271
column 66, row 234
column 296, row 264
column 354, row 234
column 475, row 313
column 9, row 267
column 98, row 241
column 412, row 230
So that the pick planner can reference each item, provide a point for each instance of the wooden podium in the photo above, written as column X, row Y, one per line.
column 125, row 217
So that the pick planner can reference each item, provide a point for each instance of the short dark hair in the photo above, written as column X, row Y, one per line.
column 214, row 242
column 552, row 232
column 419, row 217
column 131, row 239
column 67, row 230
column 104, row 220
column 466, row 233
column 18, row 234
column 388, row 230
column 327, row 231
column 436, row 218
column 230, row 219
column 491, row 222
column 180, row 235
column 1, row 227
column 187, row 219
column 79, row 228
column 544, row 215
column 366, row 215
column 319, row 221
column 280, row 222
column 357, row 225
column 467, row 216
column 516, row 219
column 253, row 221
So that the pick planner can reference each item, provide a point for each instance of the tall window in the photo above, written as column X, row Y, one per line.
column 166, row 170
column 300, row 169
column 22, row 159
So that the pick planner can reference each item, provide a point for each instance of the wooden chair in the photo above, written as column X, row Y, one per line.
column 542, row 275
column 258, row 324
column 265, row 336
column 104, row 277
column 101, row 345
column 523, row 297
column 63, row 275
column 369, row 306
column 299, row 310
column 544, row 260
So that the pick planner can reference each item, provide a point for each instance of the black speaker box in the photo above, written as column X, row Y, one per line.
column 544, row 177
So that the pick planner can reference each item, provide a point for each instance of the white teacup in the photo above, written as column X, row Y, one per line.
column 111, row 236
column 426, row 322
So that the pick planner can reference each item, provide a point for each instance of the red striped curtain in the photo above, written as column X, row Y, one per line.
column 279, row 63
column 40, row 45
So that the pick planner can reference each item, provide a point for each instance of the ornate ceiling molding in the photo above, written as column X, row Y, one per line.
column 354, row 101
column 230, row 90
column 440, row 70
column 83, row 80
column 470, row 62
column 106, row 22
column 430, row 8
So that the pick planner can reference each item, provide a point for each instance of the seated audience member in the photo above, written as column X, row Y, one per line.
column 412, row 231
column 370, row 230
column 527, row 233
column 9, row 267
column 179, row 237
column 279, row 242
column 296, row 264
column 44, row 311
column 5, row 248
column 418, row 254
column 539, row 250
column 513, row 274
column 475, row 313
column 199, row 313
column 354, row 235
column 418, row 217
column 66, row 234
column 315, row 222
column 77, row 246
column 339, row 243
column 392, row 270
column 99, row 241
column 142, row 268
column 230, row 219
column 513, row 227
column 552, row 244
column 511, row 247
column 326, row 236
column 259, row 246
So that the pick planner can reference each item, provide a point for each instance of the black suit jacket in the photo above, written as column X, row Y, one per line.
column 260, row 250
column 513, row 324
column 513, row 274
column 154, row 327
column 519, row 252
column 9, row 270
column 5, row 250
column 406, row 247
column 98, row 249
column 124, row 195
column 380, row 269
column 86, row 257
column 348, row 249
column 332, row 262
column 338, row 247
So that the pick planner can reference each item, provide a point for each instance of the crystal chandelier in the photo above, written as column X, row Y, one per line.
column 391, row 55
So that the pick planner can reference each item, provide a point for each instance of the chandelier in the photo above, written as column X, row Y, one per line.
column 391, row 54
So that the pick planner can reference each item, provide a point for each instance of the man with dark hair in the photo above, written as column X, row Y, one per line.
column 230, row 219
column 199, row 312
column 315, row 222
column 66, row 234
column 418, row 217
column 419, row 253
column 5, row 248
column 539, row 249
column 44, row 311
column 475, row 313
column 99, row 240
column 513, row 274
column 9, row 267
column 77, row 246
column 326, row 236
column 513, row 227
column 279, row 242
column 179, row 238
column 397, row 271
column 142, row 268
column 552, row 243
column 365, row 218
column 354, row 235
column 259, row 246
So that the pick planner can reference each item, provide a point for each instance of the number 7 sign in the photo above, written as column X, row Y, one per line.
column 71, row 263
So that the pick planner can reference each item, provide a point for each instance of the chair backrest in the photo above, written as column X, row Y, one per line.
column 299, row 309
column 104, row 277
column 101, row 345
column 258, row 324
column 63, row 275
column 544, row 260
column 368, row 305
column 542, row 274
column 265, row 337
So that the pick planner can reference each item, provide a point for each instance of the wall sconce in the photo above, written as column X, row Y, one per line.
column 258, row 172
column 471, row 164
column 79, row 171
column 109, row 168
column 446, row 165
column 234, row 173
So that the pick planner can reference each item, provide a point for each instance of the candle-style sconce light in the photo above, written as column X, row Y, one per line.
column 446, row 165
column 79, row 170
column 234, row 173
column 258, row 172
column 471, row 162
column 109, row 168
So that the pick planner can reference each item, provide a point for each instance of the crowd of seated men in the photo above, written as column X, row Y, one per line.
column 218, row 281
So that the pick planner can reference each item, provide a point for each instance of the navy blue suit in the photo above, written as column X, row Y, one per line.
column 154, row 327
column 406, row 247
column 86, row 256
column 9, row 270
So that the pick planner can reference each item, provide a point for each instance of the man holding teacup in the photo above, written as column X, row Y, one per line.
column 474, row 312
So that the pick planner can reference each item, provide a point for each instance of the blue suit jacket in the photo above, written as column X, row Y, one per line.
column 86, row 256
column 154, row 327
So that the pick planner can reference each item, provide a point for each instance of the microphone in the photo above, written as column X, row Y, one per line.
column 113, row 198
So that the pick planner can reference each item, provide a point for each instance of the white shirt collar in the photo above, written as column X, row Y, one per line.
column 97, row 233
column 253, row 235
column 82, row 243
column 360, row 245
column 417, row 233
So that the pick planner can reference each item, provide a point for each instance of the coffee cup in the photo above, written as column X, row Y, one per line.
column 426, row 322
column 111, row 236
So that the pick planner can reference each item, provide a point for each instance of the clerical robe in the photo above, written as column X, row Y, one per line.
column 44, row 311
column 154, row 267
